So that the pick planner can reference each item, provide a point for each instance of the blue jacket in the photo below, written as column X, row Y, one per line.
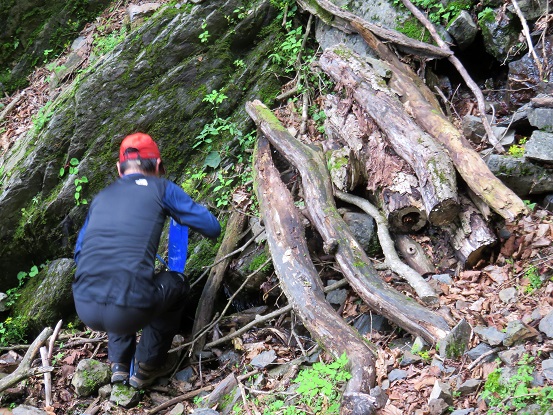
column 117, row 245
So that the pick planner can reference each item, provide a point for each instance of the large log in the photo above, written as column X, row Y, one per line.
column 431, row 164
column 389, row 179
column 302, row 285
column 422, row 104
column 353, row 261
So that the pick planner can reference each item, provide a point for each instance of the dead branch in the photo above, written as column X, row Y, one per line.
column 24, row 370
column 415, row 280
column 300, row 281
column 204, row 310
column 526, row 32
column 353, row 261
column 462, row 71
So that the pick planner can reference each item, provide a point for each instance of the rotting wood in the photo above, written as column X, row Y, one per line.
column 353, row 261
column 415, row 280
column 431, row 164
column 413, row 254
column 389, row 179
column 472, row 236
column 422, row 104
column 302, row 286
column 204, row 311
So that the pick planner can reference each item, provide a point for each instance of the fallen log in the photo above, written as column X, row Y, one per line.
column 389, row 179
column 470, row 236
column 353, row 261
column 431, row 164
column 302, row 286
column 422, row 104
column 413, row 254
column 204, row 311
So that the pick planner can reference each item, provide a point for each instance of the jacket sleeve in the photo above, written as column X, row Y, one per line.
column 185, row 211
column 79, row 243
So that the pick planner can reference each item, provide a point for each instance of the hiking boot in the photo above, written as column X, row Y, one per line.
column 144, row 374
column 119, row 373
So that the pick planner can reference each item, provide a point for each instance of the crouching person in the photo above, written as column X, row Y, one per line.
column 116, row 289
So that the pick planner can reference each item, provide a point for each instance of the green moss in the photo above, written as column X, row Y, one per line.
column 414, row 29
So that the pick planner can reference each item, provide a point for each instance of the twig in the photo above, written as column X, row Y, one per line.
column 47, row 377
column 244, row 399
column 53, row 339
column 526, row 32
column 483, row 356
column 304, row 113
column 415, row 280
column 24, row 369
column 10, row 106
column 462, row 71
column 178, row 399
column 93, row 408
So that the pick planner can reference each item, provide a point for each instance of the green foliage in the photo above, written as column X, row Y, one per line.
column 486, row 15
column 258, row 261
column 534, row 278
column 517, row 150
column 319, row 116
column 529, row 204
column 42, row 117
column 437, row 11
column 12, row 331
column 104, row 43
column 285, row 54
column 73, row 169
column 319, row 391
column 14, row 293
column 508, row 396
column 204, row 36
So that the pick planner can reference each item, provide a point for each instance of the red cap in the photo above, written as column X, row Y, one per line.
column 138, row 145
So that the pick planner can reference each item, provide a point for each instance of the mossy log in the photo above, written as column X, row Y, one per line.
column 431, row 164
column 353, row 261
column 302, row 285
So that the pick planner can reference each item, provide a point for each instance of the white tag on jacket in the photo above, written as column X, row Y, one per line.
column 141, row 182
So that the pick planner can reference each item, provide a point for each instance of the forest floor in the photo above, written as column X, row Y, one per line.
column 522, row 260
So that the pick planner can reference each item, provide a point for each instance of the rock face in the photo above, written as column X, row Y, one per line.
column 154, row 82
column 31, row 27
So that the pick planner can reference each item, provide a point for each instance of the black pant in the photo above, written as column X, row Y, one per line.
column 158, row 324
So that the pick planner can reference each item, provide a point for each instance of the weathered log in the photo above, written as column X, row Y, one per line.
column 353, row 261
column 388, row 177
column 433, row 167
column 469, row 164
column 204, row 311
column 470, row 236
column 340, row 19
column 413, row 254
column 302, row 286
column 422, row 104
column 423, row 290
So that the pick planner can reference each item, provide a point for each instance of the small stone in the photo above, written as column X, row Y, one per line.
column 508, row 295
column 397, row 374
column 124, row 396
column 27, row 410
column 516, row 332
column 437, row 406
column 204, row 411
column 469, row 386
column 105, row 391
column 337, row 297
column 463, row 411
column 540, row 145
column 443, row 278
column 455, row 342
column 479, row 350
column 546, row 325
column 512, row 356
column 185, row 374
column 409, row 359
column 547, row 368
column 264, row 359
column 177, row 410
column 89, row 376
column 441, row 390
column 490, row 335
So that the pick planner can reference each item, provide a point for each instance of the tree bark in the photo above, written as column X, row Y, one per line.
column 353, row 261
column 389, row 179
column 413, row 254
column 470, row 236
column 430, row 163
column 204, row 311
column 302, row 286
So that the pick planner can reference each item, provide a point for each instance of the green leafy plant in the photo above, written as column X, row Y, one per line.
column 534, row 278
column 14, row 293
column 508, row 396
column 204, row 36
column 42, row 117
column 529, row 204
column 73, row 169
column 12, row 331
column 103, row 44
column 286, row 52
column 239, row 63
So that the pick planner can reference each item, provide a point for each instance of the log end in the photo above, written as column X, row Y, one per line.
column 445, row 212
column 356, row 403
column 407, row 220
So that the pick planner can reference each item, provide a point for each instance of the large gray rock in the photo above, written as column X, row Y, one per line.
column 89, row 376
column 463, row 29
column 546, row 325
column 521, row 175
column 154, row 81
column 531, row 9
column 540, row 146
column 500, row 33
